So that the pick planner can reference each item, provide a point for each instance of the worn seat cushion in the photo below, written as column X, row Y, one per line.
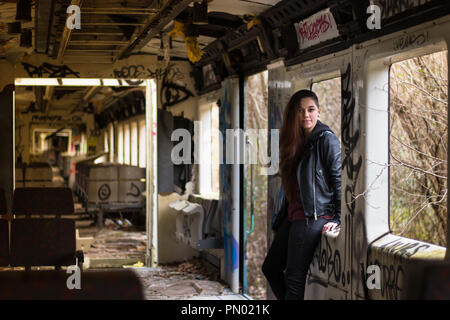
column 4, row 243
column 52, row 284
column 43, row 242
column 43, row 201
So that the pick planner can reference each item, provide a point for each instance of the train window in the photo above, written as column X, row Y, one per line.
column 215, row 149
column 83, row 145
column 329, row 94
column 134, row 144
column 418, row 147
column 105, row 142
column 126, row 143
column 256, row 183
column 142, row 144
column 120, row 144
column 209, row 149
column 111, row 142
column 50, row 139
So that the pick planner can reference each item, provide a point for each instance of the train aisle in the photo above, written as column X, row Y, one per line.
column 121, row 245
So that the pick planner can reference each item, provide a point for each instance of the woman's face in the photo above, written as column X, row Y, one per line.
column 308, row 113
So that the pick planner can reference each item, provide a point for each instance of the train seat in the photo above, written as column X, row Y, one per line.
column 48, row 240
column 42, row 201
column 4, row 232
column 4, row 243
column 52, row 285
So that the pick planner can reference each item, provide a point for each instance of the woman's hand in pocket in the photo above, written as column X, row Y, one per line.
column 330, row 226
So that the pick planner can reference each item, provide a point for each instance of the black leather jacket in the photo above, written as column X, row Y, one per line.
column 319, row 174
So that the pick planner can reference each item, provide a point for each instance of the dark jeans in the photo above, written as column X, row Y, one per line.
column 275, row 262
column 292, row 250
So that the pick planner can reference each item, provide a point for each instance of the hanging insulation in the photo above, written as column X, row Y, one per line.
column 193, row 50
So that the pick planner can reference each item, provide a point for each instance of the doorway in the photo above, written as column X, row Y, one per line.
column 67, row 134
column 255, row 184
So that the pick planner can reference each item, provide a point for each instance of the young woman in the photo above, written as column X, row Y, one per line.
column 310, row 169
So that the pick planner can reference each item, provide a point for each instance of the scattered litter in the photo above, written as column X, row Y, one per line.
column 197, row 287
column 138, row 264
column 109, row 223
column 193, row 267
column 121, row 223
column 118, row 223
column 127, row 223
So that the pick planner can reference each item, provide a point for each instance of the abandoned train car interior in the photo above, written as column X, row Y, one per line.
column 140, row 146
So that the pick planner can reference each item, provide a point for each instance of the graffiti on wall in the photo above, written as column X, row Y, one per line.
column 172, row 92
column 329, row 262
column 129, row 192
column 56, row 121
column 56, row 118
column 231, row 247
column 402, row 246
column 351, row 164
column 104, row 192
column 139, row 71
column 350, row 138
column 391, row 8
column 135, row 192
column 410, row 40
column 317, row 28
column 344, row 264
column 49, row 70
column 173, row 89
column 341, row 263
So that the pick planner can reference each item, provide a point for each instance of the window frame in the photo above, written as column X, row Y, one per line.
column 428, row 50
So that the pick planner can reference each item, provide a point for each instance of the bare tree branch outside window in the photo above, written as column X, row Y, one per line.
column 418, row 147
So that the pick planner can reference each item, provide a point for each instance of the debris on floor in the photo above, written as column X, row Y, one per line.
column 171, row 283
column 115, row 247
column 110, row 224
column 118, row 244
column 193, row 266
column 138, row 264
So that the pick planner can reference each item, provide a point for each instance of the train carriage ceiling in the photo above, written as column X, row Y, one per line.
column 231, row 37
column 113, row 29
column 110, row 31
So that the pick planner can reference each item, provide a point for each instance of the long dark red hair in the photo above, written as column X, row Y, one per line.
column 292, row 142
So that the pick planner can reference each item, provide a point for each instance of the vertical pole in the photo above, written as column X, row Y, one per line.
column 243, row 193
column 155, row 219
column 235, row 186
column 277, row 100
column 148, row 163
column 151, row 109
column 447, row 252
column 7, row 157
column 13, row 156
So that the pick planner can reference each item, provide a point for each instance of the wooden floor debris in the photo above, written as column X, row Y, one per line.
column 113, row 248
column 165, row 283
